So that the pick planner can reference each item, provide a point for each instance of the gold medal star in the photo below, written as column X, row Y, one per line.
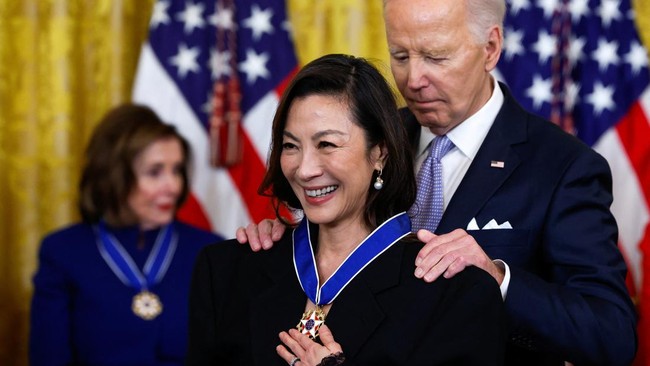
column 311, row 322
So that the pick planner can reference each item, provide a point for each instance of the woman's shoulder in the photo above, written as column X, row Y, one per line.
column 224, row 247
column 73, row 240
column 410, row 246
column 230, row 255
column 72, row 233
column 468, row 278
column 231, row 247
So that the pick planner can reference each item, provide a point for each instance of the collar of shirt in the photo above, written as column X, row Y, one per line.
column 469, row 134
column 467, row 138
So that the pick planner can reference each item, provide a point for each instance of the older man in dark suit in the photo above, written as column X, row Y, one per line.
column 522, row 200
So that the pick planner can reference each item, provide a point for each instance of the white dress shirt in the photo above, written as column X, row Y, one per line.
column 467, row 138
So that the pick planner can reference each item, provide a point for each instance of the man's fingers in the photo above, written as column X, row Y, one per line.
column 432, row 272
column 438, row 253
column 425, row 235
column 278, row 230
column 240, row 235
column 447, row 255
column 433, row 241
column 253, row 237
column 262, row 235
column 431, row 252
column 248, row 235
column 264, row 231
column 456, row 267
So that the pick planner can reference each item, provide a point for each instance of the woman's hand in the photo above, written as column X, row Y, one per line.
column 307, row 351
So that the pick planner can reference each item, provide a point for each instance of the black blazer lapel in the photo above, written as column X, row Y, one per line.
column 356, row 313
column 354, row 316
column 482, row 178
column 278, row 305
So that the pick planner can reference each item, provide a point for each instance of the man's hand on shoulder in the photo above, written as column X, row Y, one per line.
column 262, row 235
column 449, row 254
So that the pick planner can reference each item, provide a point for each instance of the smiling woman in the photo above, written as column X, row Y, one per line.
column 339, row 287
column 160, row 177
column 325, row 159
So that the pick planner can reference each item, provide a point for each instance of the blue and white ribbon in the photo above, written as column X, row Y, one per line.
column 121, row 263
column 304, row 260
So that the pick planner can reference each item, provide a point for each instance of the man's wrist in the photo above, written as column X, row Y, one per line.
column 500, row 271
column 504, row 283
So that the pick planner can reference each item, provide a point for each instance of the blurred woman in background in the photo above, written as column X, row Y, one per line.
column 113, row 289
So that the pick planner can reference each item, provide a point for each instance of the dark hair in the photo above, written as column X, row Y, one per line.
column 108, row 177
column 374, row 109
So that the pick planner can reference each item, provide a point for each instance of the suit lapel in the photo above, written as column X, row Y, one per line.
column 483, row 178
column 279, row 305
column 356, row 314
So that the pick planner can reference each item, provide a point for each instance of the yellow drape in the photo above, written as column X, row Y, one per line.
column 62, row 64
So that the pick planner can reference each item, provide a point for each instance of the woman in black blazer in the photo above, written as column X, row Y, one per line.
column 339, row 287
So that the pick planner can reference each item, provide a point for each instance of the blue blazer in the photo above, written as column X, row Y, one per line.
column 567, row 299
column 81, row 312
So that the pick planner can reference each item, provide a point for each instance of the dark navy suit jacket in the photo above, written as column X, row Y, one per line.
column 240, row 301
column 81, row 312
column 567, row 298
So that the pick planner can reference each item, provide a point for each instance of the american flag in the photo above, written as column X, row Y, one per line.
column 581, row 64
column 243, row 50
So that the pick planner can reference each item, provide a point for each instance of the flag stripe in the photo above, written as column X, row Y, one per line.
column 191, row 46
column 193, row 212
column 210, row 186
column 634, row 132
column 249, row 177
column 630, row 212
column 257, row 127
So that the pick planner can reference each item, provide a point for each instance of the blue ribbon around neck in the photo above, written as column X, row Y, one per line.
column 382, row 238
column 121, row 263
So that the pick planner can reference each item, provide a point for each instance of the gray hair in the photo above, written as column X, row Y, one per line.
column 482, row 15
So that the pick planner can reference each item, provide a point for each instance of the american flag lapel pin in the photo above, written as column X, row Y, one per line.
column 497, row 164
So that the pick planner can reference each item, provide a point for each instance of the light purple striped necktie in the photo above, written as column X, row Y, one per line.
column 426, row 212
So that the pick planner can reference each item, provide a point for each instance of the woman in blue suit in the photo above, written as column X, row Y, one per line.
column 113, row 289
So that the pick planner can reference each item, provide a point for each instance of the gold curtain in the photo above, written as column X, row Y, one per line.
column 63, row 63
column 339, row 26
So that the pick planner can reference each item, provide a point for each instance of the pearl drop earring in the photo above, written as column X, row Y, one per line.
column 379, row 183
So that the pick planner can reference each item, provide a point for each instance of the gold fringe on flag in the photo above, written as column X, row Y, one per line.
column 225, row 122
